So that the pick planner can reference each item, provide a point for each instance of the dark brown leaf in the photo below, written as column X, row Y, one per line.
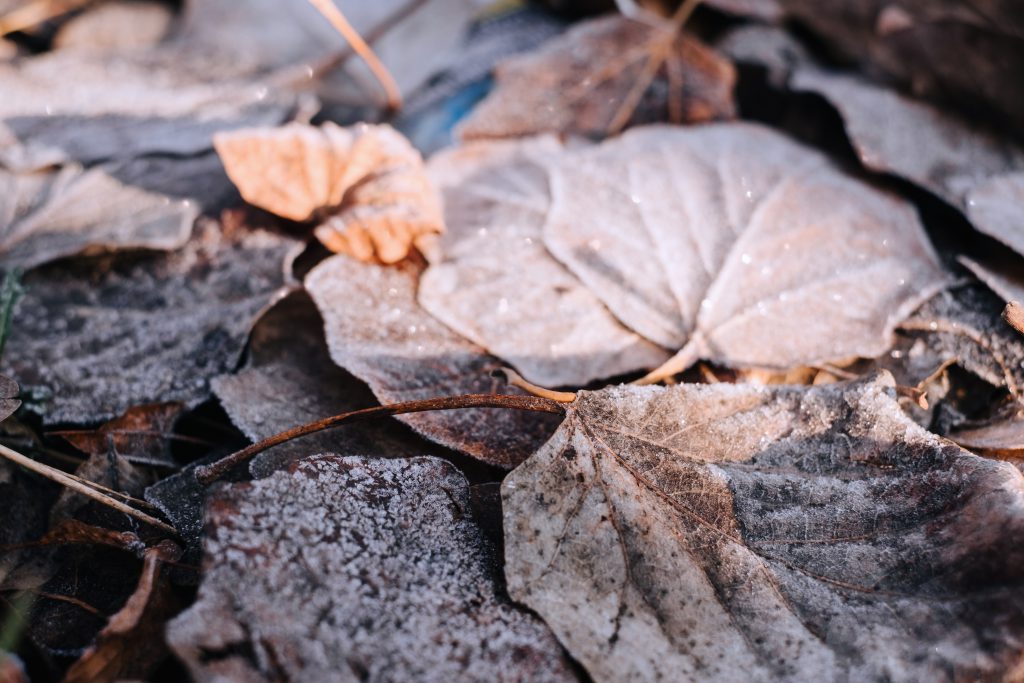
column 356, row 569
column 142, row 435
column 731, row 532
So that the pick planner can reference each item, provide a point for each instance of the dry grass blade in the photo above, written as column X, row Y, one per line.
column 79, row 486
column 361, row 48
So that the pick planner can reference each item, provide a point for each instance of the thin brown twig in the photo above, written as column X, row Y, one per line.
column 340, row 23
column 514, row 379
column 207, row 474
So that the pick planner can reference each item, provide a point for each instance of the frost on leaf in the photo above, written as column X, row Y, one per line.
column 290, row 379
column 94, row 337
column 734, row 532
column 496, row 278
column 377, row 331
column 356, row 569
column 734, row 244
column 47, row 215
column 579, row 82
column 366, row 185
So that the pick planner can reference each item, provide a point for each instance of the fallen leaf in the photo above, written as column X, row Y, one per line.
column 290, row 379
column 116, row 25
column 94, row 337
column 9, row 401
column 366, row 184
column 1014, row 315
column 377, row 331
column 159, row 101
column 132, row 642
column 1001, row 438
column 142, row 435
column 356, row 569
column 1003, row 273
column 733, row 532
column 496, row 276
column 748, row 249
column 968, row 166
column 577, row 82
column 47, row 215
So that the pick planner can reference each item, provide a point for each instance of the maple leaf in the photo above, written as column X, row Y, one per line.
column 601, row 75
column 357, row 569
column 733, row 532
column 366, row 184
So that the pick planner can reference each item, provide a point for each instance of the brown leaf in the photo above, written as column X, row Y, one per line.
column 356, row 569
column 1003, row 273
column 366, row 184
column 578, row 82
column 1014, row 314
column 733, row 532
column 98, row 336
column 132, row 642
column 1001, row 438
column 734, row 244
column 289, row 380
column 141, row 435
column 47, row 215
column 9, row 401
column 377, row 331
column 496, row 276
column 117, row 25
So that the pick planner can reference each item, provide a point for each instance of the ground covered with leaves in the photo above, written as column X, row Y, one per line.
column 599, row 341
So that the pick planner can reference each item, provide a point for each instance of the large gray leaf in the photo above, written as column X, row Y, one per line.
column 97, row 336
column 354, row 569
column 377, row 331
column 498, row 286
column 734, row 532
column 733, row 243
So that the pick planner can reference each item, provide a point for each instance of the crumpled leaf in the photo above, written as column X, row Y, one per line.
column 496, row 276
column 577, row 83
column 734, row 244
column 97, row 336
column 366, row 184
column 968, row 166
column 735, row 532
column 47, row 215
column 356, row 569
column 116, row 25
column 289, row 380
column 66, row 106
column 132, row 642
column 377, row 331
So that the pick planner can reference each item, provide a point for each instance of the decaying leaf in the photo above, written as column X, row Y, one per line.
column 496, row 277
column 733, row 532
column 734, row 244
column 366, row 184
column 356, row 569
column 9, row 401
column 377, row 331
column 289, row 380
column 97, row 336
column 132, row 642
column 116, row 25
column 969, row 167
column 46, row 215
column 142, row 435
column 578, row 82
column 1001, row 438
column 158, row 101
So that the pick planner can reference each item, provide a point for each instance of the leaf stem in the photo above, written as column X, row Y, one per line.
column 207, row 474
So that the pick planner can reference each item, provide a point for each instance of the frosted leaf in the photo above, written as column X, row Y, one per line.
column 356, row 569
column 734, row 244
column 50, row 214
column 734, row 532
column 290, row 379
column 577, row 82
column 366, row 184
column 377, row 331
column 94, row 337
column 498, row 286
column 1003, row 275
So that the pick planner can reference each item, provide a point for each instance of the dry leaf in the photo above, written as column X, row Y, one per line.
column 966, row 165
column 47, row 215
column 578, row 82
column 9, row 401
column 356, row 569
column 732, row 532
column 1001, row 438
column 142, row 435
column 1003, row 273
column 377, row 331
column 366, row 184
column 289, row 380
column 496, row 278
column 97, row 336
column 734, row 244
column 116, row 25
column 1014, row 315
